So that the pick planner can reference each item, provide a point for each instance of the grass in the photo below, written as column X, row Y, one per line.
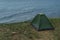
column 24, row 31
column 17, row 31
column 56, row 23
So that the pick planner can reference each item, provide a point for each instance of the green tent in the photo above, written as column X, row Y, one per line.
column 41, row 22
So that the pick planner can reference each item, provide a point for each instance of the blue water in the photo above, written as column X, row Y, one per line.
column 22, row 10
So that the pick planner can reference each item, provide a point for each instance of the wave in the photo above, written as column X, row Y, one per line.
column 19, row 16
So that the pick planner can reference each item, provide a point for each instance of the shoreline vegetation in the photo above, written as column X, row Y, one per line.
column 25, row 31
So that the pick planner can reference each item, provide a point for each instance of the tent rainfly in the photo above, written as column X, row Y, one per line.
column 41, row 22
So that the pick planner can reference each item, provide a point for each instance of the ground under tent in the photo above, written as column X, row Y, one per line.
column 41, row 22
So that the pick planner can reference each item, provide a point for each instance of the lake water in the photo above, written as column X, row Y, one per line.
column 22, row 10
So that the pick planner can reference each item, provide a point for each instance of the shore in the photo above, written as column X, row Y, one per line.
column 25, row 31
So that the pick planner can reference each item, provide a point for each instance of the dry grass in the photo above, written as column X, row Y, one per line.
column 18, row 31
column 56, row 23
column 24, row 31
